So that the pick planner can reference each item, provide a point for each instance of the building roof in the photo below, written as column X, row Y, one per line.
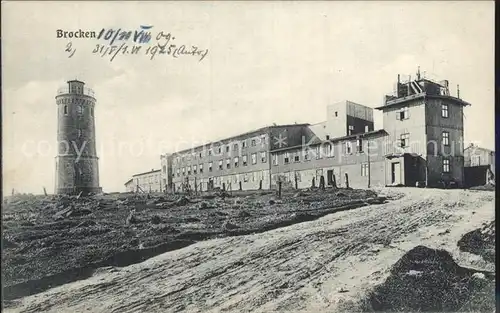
column 402, row 100
column 128, row 182
column 337, row 139
column 479, row 148
column 150, row 172
column 255, row 131
column 75, row 80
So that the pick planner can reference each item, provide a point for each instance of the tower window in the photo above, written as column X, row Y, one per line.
column 446, row 165
column 404, row 140
column 403, row 114
column 446, row 138
column 359, row 145
column 91, row 111
column 263, row 157
column 364, row 169
column 348, row 147
column 65, row 110
column 79, row 133
column 79, row 110
column 444, row 110
column 254, row 158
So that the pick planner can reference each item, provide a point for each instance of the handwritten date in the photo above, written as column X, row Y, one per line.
column 152, row 51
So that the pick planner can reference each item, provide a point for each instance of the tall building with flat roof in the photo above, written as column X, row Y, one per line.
column 425, row 124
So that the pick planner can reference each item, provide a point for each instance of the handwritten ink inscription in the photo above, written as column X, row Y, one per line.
column 138, row 36
column 151, row 51
column 69, row 49
column 118, row 42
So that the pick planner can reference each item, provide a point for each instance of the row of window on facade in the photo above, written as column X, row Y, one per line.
column 246, row 177
column 404, row 139
column 234, row 146
column 320, row 151
column 73, row 101
column 236, row 163
column 79, row 110
column 76, row 89
column 365, row 170
column 404, row 112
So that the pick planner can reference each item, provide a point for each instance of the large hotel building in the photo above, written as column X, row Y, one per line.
column 421, row 142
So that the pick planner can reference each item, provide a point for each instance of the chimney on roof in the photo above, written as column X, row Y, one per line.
column 418, row 73
column 458, row 91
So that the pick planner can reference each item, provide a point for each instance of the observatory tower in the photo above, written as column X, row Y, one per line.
column 76, row 162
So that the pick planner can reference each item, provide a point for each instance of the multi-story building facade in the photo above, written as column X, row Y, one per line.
column 166, row 174
column 248, row 161
column 421, row 141
column 146, row 182
column 425, row 128
column 130, row 185
column 236, row 163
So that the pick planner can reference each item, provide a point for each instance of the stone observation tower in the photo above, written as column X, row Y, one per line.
column 76, row 162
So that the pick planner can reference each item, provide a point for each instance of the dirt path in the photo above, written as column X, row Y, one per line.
column 312, row 266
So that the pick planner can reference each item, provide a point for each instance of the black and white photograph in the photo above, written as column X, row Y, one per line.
column 248, row 156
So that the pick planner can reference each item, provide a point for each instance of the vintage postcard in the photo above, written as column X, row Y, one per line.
column 248, row 156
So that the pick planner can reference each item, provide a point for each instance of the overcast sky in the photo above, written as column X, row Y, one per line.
column 267, row 63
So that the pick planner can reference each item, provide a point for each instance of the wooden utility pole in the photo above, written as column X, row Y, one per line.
column 369, row 166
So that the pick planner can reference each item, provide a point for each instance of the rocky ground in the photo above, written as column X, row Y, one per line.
column 52, row 240
column 409, row 254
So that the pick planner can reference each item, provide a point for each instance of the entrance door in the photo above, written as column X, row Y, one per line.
column 396, row 173
column 329, row 176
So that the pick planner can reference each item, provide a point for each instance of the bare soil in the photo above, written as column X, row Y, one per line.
column 331, row 264
column 49, row 241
